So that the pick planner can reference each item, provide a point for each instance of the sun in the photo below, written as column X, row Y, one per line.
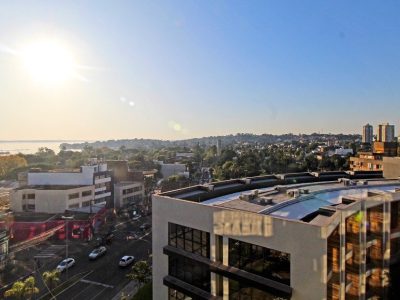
column 48, row 62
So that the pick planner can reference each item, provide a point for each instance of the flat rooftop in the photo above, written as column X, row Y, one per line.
column 304, row 198
column 51, row 187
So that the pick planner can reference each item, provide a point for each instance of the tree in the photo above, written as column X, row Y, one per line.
column 140, row 272
column 51, row 278
column 22, row 289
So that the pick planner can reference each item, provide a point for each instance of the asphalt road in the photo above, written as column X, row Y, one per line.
column 103, row 277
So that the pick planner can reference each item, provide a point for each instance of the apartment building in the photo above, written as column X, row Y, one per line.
column 367, row 134
column 268, row 238
column 128, row 193
column 386, row 133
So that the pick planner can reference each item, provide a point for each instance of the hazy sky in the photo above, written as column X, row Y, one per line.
column 179, row 69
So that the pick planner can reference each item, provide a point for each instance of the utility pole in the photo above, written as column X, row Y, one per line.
column 66, row 218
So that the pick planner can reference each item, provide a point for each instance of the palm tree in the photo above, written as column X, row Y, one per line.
column 16, row 291
column 141, row 272
column 51, row 278
column 30, row 288
column 22, row 289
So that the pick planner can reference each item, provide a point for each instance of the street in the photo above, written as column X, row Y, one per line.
column 98, row 279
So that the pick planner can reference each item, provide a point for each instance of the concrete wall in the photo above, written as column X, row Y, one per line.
column 50, row 201
column 305, row 243
column 119, row 197
column 391, row 167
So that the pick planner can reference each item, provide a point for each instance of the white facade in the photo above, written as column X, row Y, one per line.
column 126, row 193
column 85, row 177
column 55, row 200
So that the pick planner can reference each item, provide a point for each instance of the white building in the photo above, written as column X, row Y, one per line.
column 259, row 239
column 51, row 199
column 57, row 191
column 95, row 174
column 128, row 192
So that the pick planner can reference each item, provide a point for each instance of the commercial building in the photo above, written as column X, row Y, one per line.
column 52, row 199
column 57, row 191
column 368, row 134
column 293, row 236
column 128, row 193
column 386, row 133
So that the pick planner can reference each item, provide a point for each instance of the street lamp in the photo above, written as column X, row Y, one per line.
column 66, row 218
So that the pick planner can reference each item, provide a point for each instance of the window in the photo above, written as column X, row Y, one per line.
column 265, row 262
column 127, row 191
column 239, row 291
column 73, row 196
column 31, row 196
column 190, row 271
column 189, row 239
column 137, row 189
column 86, row 193
column 85, row 203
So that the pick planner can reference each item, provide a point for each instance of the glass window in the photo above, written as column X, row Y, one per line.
column 73, row 196
column 259, row 260
column 240, row 291
column 189, row 239
column 86, row 193
column 190, row 271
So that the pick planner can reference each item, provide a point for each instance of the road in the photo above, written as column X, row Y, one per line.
column 104, row 277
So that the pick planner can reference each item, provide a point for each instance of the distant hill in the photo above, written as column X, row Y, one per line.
column 212, row 140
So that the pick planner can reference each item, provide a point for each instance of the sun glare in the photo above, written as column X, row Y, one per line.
column 48, row 62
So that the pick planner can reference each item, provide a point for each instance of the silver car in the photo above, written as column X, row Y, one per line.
column 96, row 253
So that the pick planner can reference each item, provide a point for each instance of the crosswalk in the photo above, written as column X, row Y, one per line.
column 50, row 252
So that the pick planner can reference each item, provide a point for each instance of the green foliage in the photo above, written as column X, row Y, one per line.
column 22, row 289
column 140, row 272
column 51, row 278
column 9, row 163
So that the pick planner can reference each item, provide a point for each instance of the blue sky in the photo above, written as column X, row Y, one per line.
column 180, row 69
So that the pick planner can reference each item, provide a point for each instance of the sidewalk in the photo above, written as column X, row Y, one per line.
column 128, row 291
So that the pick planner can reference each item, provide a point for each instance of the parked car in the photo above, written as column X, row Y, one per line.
column 65, row 264
column 96, row 253
column 126, row 260
column 145, row 226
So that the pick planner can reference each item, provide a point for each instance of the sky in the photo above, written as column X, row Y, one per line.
column 182, row 69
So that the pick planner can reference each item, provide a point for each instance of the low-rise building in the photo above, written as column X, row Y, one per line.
column 366, row 161
column 52, row 198
column 128, row 193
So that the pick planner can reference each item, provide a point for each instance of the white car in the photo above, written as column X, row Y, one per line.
column 96, row 253
column 65, row 264
column 126, row 260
